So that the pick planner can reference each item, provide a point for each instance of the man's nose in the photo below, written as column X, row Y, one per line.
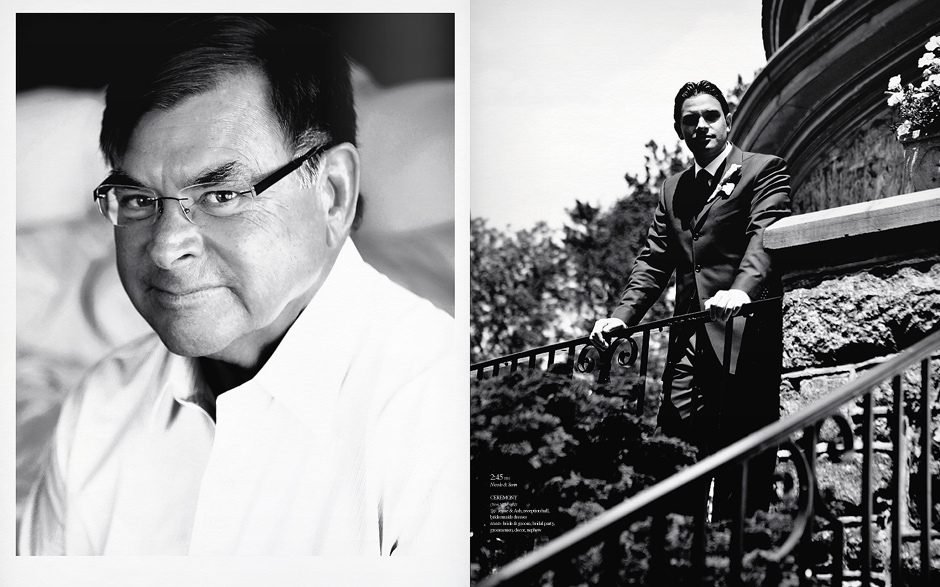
column 175, row 238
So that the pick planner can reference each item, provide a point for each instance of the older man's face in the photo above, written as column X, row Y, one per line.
column 230, row 286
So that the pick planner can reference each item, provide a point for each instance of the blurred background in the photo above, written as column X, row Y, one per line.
column 78, row 50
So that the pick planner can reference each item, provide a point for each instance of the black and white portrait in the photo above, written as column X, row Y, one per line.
column 235, row 286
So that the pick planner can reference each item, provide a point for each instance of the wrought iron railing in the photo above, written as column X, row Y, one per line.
column 628, row 345
column 798, row 438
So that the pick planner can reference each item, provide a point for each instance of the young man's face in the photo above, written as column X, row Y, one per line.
column 703, row 127
column 223, row 287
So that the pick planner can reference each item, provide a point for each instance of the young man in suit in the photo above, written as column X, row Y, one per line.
column 708, row 230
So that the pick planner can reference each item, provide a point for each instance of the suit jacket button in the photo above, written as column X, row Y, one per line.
column 695, row 236
column 698, row 268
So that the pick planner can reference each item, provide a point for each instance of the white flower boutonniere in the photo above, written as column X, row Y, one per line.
column 917, row 106
column 726, row 185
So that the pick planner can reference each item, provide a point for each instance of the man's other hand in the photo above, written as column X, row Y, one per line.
column 726, row 303
column 603, row 326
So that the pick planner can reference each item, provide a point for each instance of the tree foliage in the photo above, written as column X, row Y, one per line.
column 518, row 285
column 569, row 450
column 603, row 244
column 735, row 94
column 540, row 285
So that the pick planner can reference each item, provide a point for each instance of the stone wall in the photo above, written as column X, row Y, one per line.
column 866, row 166
column 853, row 318
column 862, row 282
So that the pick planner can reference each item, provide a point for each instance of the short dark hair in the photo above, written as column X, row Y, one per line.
column 692, row 89
column 309, row 77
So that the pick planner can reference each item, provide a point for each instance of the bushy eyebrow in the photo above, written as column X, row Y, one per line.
column 121, row 177
column 228, row 171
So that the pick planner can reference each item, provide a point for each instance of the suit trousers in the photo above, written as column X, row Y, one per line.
column 711, row 409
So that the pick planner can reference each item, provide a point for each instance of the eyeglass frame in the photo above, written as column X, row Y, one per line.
column 255, row 189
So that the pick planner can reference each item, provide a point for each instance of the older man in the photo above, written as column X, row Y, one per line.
column 708, row 229
column 292, row 400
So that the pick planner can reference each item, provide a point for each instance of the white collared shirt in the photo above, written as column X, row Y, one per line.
column 351, row 440
column 714, row 164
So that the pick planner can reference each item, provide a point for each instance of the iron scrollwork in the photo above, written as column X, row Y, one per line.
column 810, row 502
column 625, row 350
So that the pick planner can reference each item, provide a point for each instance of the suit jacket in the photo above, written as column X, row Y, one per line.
column 712, row 246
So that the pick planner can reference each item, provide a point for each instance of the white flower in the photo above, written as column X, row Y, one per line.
column 724, row 185
column 894, row 83
column 933, row 43
column 926, row 59
column 904, row 128
column 935, row 79
column 894, row 98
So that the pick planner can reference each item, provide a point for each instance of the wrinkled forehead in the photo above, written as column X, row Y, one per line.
column 229, row 122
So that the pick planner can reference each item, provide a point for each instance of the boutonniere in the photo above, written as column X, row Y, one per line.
column 726, row 185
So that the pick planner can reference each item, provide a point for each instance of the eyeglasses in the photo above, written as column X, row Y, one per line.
column 128, row 205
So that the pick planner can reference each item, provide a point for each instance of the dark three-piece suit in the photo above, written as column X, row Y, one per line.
column 711, row 236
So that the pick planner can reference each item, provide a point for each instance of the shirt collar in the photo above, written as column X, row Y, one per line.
column 307, row 369
column 714, row 164
column 187, row 385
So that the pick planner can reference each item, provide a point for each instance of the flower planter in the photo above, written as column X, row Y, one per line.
column 921, row 163
column 918, row 109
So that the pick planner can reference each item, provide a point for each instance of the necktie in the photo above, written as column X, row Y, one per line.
column 704, row 181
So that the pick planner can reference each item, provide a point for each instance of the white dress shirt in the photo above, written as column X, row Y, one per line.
column 714, row 164
column 350, row 440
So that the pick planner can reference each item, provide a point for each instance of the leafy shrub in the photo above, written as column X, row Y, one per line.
column 566, row 452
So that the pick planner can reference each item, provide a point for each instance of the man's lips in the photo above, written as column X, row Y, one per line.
column 181, row 291
column 177, row 296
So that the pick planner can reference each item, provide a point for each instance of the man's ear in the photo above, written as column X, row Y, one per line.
column 728, row 121
column 339, row 182
column 678, row 131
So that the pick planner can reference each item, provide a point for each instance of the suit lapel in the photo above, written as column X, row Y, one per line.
column 735, row 157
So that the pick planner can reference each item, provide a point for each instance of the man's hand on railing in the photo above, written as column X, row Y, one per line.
column 602, row 327
column 726, row 303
